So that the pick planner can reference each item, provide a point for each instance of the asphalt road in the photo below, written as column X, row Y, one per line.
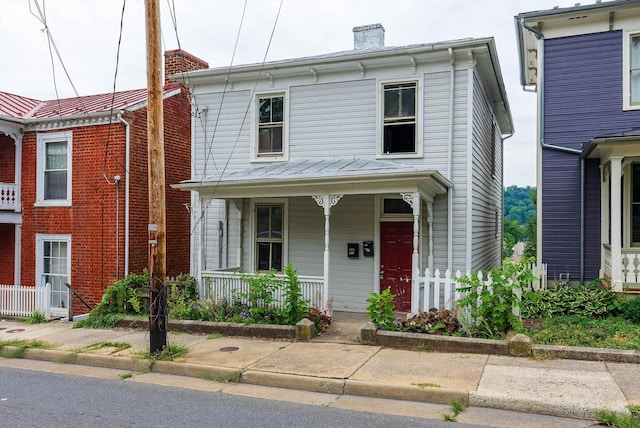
column 32, row 398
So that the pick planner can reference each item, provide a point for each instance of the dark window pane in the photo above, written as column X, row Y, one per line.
column 276, row 221
column 399, row 138
column 276, row 139
column 636, row 183
column 264, row 141
column 263, row 255
column 397, row 206
column 408, row 99
column 265, row 110
column 636, row 223
column 55, row 185
column 262, row 220
column 391, row 103
column 278, row 109
column 276, row 256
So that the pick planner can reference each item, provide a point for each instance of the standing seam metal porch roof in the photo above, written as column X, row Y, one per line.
column 308, row 177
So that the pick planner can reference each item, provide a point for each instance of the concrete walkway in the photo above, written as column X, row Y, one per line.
column 337, row 364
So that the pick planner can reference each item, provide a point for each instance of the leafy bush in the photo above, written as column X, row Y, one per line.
column 491, row 307
column 566, row 300
column 381, row 309
column 631, row 310
column 260, row 295
column 294, row 308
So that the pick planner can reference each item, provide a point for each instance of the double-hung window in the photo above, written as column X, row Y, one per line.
column 54, row 169
column 632, row 70
column 269, row 238
column 271, row 126
column 400, row 118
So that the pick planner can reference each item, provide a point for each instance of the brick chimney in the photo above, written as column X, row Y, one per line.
column 368, row 37
column 179, row 61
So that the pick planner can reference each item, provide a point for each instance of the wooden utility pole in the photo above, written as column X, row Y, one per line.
column 157, row 215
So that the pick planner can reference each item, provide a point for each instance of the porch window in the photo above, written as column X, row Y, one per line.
column 269, row 236
column 399, row 132
column 635, row 205
column 271, row 117
column 53, row 253
column 54, row 169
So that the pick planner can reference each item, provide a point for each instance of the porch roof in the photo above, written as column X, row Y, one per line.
column 619, row 143
column 328, row 176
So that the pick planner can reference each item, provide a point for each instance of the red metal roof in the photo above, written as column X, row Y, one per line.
column 26, row 108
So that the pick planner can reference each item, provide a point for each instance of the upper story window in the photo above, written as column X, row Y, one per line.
column 54, row 169
column 400, row 119
column 631, row 60
column 271, row 127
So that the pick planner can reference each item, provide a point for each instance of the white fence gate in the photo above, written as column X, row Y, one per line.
column 22, row 301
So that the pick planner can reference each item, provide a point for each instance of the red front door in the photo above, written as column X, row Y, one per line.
column 396, row 247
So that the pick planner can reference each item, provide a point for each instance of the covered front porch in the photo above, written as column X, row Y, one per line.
column 619, row 156
column 325, row 218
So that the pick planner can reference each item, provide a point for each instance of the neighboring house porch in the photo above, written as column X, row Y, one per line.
column 369, row 221
column 619, row 157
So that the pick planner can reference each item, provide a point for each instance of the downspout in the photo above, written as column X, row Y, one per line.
column 540, row 36
column 452, row 86
column 126, row 191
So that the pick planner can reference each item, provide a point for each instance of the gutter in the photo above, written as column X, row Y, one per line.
column 540, row 90
column 449, row 176
column 126, row 197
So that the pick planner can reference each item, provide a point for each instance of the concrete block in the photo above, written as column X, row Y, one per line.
column 520, row 346
column 305, row 329
column 368, row 334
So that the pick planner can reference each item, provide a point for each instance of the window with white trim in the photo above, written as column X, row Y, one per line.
column 635, row 204
column 399, row 118
column 631, row 61
column 269, row 236
column 53, row 255
column 54, row 169
column 270, row 126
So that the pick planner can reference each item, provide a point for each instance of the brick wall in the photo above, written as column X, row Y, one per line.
column 7, row 159
column 7, row 253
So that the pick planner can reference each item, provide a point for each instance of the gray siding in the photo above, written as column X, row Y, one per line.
column 487, row 187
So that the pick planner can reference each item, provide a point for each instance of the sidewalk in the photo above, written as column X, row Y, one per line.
column 338, row 365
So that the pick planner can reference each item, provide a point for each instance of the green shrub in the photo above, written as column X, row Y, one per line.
column 381, row 309
column 631, row 310
column 566, row 300
column 36, row 317
column 260, row 295
column 491, row 308
column 294, row 308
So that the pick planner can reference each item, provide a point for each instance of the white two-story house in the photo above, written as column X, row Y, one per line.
column 360, row 167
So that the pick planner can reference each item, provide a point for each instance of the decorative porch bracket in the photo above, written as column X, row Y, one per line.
column 326, row 202
column 413, row 199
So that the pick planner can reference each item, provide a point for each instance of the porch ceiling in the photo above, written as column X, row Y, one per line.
column 312, row 177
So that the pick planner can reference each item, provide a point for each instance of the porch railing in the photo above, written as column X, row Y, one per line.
column 228, row 284
column 8, row 196
column 630, row 264
column 22, row 301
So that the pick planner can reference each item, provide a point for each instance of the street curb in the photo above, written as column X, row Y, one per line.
column 289, row 381
column 532, row 405
column 213, row 373
column 400, row 392
column 113, row 362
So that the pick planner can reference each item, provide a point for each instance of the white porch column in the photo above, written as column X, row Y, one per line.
column 604, row 215
column 616, row 223
column 326, row 202
column 413, row 199
column 18, row 171
column 430, row 222
column 18, row 247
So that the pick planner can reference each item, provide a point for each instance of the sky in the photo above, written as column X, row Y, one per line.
column 86, row 35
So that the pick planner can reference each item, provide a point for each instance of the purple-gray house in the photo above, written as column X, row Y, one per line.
column 584, row 64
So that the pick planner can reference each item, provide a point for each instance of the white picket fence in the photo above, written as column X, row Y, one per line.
column 22, row 301
column 442, row 291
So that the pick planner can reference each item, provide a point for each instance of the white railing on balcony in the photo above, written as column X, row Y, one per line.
column 22, row 301
column 8, row 196
column 228, row 285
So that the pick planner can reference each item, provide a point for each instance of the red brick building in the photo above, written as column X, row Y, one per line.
column 74, row 188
